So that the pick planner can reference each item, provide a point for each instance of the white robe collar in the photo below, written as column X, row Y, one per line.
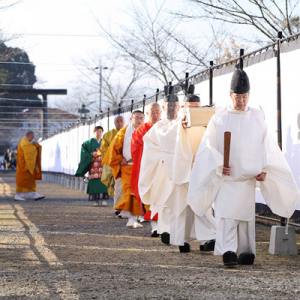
column 127, row 142
column 247, row 108
column 167, row 121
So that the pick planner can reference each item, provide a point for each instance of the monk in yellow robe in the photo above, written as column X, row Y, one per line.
column 114, row 186
column 118, row 157
column 28, row 168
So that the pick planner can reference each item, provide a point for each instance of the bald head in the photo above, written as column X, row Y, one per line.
column 119, row 122
column 153, row 112
column 30, row 136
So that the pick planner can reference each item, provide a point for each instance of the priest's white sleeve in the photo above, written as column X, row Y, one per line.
column 279, row 188
column 206, row 177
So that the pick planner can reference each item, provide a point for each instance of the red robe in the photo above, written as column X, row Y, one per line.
column 137, row 146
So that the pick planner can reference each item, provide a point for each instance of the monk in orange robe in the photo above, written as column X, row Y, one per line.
column 28, row 168
column 118, row 157
column 137, row 146
column 114, row 187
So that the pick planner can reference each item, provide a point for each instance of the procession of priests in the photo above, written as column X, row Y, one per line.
column 179, row 172
column 195, row 195
column 164, row 178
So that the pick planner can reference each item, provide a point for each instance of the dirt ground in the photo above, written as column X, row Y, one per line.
column 64, row 248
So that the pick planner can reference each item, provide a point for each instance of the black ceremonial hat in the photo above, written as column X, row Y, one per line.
column 239, row 82
column 190, row 97
column 169, row 94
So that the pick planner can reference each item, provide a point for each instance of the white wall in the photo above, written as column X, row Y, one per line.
column 61, row 153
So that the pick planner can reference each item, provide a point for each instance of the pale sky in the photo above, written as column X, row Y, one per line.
column 56, row 33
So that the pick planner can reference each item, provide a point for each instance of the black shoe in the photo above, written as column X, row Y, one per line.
column 165, row 238
column 154, row 234
column 229, row 258
column 117, row 212
column 246, row 258
column 185, row 248
column 208, row 246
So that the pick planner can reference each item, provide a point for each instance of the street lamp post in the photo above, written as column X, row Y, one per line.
column 100, row 85
column 83, row 111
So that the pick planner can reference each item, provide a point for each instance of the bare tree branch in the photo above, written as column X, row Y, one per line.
column 266, row 17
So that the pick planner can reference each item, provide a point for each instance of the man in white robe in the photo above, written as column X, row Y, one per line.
column 164, row 179
column 254, row 158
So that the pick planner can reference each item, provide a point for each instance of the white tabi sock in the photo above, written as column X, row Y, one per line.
column 153, row 226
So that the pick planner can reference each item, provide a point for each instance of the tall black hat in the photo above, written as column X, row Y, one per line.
column 169, row 94
column 189, row 96
column 239, row 82
column 171, row 98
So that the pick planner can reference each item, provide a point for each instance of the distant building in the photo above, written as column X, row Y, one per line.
column 30, row 119
column 57, row 120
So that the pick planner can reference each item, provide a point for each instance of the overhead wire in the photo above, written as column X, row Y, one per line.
column 26, row 107
column 19, row 99
column 36, row 122
column 36, row 112
column 36, row 119
column 11, row 84
column 63, row 35
column 31, row 63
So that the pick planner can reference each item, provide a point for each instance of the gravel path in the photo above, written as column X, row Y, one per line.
column 64, row 248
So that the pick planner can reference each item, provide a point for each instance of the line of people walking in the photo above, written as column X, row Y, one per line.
column 172, row 173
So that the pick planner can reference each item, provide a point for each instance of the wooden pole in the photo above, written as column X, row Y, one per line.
column 227, row 139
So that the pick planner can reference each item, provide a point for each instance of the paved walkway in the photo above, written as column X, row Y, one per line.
column 64, row 248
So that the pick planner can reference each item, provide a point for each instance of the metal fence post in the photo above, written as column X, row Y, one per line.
column 211, row 63
column 186, row 81
column 144, row 100
column 241, row 59
column 132, row 102
column 279, row 129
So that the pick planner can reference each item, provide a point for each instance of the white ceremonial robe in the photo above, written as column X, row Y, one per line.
column 164, row 179
column 127, row 143
column 253, row 151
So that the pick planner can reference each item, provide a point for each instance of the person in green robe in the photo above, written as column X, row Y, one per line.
column 91, row 161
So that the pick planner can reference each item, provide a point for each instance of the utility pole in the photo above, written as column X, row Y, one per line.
column 100, row 85
column 100, row 91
